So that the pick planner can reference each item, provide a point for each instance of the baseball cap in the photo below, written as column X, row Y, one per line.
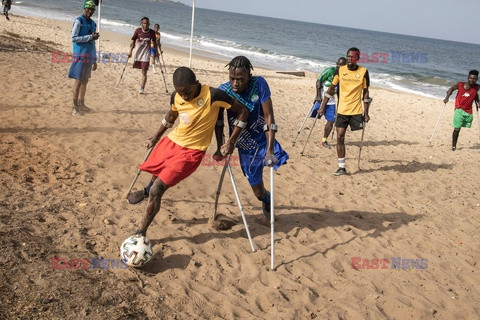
column 90, row 4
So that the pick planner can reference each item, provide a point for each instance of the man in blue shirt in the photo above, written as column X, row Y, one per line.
column 256, row 145
column 84, row 57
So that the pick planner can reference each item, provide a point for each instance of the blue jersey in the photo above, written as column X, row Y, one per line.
column 258, row 92
column 82, row 38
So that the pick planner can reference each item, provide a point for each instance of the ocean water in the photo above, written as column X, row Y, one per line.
column 417, row 65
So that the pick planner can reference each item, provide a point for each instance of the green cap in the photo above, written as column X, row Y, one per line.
column 89, row 4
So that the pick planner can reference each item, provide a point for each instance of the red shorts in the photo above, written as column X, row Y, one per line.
column 141, row 65
column 172, row 163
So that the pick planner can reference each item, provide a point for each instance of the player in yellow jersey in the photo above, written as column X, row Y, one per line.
column 353, row 81
column 178, row 155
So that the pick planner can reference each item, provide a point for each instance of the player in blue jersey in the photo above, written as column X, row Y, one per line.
column 256, row 145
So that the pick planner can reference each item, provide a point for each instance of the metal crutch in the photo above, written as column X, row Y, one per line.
column 122, row 72
column 272, row 221
column 163, row 61
column 311, row 129
column 361, row 144
column 240, row 204
column 138, row 173
column 478, row 119
column 219, row 188
column 436, row 125
column 163, row 75
column 303, row 123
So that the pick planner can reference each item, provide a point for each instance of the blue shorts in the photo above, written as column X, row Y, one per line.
column 80, row 70
column 153, row 51
column 329, row 111
column 251, row 162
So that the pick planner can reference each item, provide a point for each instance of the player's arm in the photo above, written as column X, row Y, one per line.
column 240, row 123
column 366, row 96
column 155, row 44
column 76, row 37
column 132, row 44
column 319, row 87
column 449, row 92
column 270, row 129
column 328, row 95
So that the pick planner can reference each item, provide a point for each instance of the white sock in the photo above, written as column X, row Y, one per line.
column 341, row 163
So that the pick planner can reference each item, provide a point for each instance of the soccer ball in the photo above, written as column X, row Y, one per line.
column 136, row 251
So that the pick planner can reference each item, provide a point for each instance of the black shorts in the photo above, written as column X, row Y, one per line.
column 355, row 121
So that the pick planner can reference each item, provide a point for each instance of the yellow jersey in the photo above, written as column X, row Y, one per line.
column 198, row 117
column 351, row 84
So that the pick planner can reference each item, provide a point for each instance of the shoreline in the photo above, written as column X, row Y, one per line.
column 119, row 37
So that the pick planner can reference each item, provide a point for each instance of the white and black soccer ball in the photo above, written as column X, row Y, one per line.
column 136, row 251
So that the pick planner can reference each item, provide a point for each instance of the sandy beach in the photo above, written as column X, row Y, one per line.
column 63, row 181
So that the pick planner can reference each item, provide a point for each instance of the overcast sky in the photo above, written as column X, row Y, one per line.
column 441, row 19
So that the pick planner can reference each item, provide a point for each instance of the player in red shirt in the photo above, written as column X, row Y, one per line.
column 142, row 37
column 467, row 93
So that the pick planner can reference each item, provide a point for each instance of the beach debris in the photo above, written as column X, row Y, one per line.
column 293, row 73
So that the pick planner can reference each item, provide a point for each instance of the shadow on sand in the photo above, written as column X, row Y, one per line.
column 288, row 219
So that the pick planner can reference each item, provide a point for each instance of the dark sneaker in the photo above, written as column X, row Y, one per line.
column 340, row 172
column 137, row 197
column 325, row 144
column 266, row 210
column 454, row 148
column 74, row 111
